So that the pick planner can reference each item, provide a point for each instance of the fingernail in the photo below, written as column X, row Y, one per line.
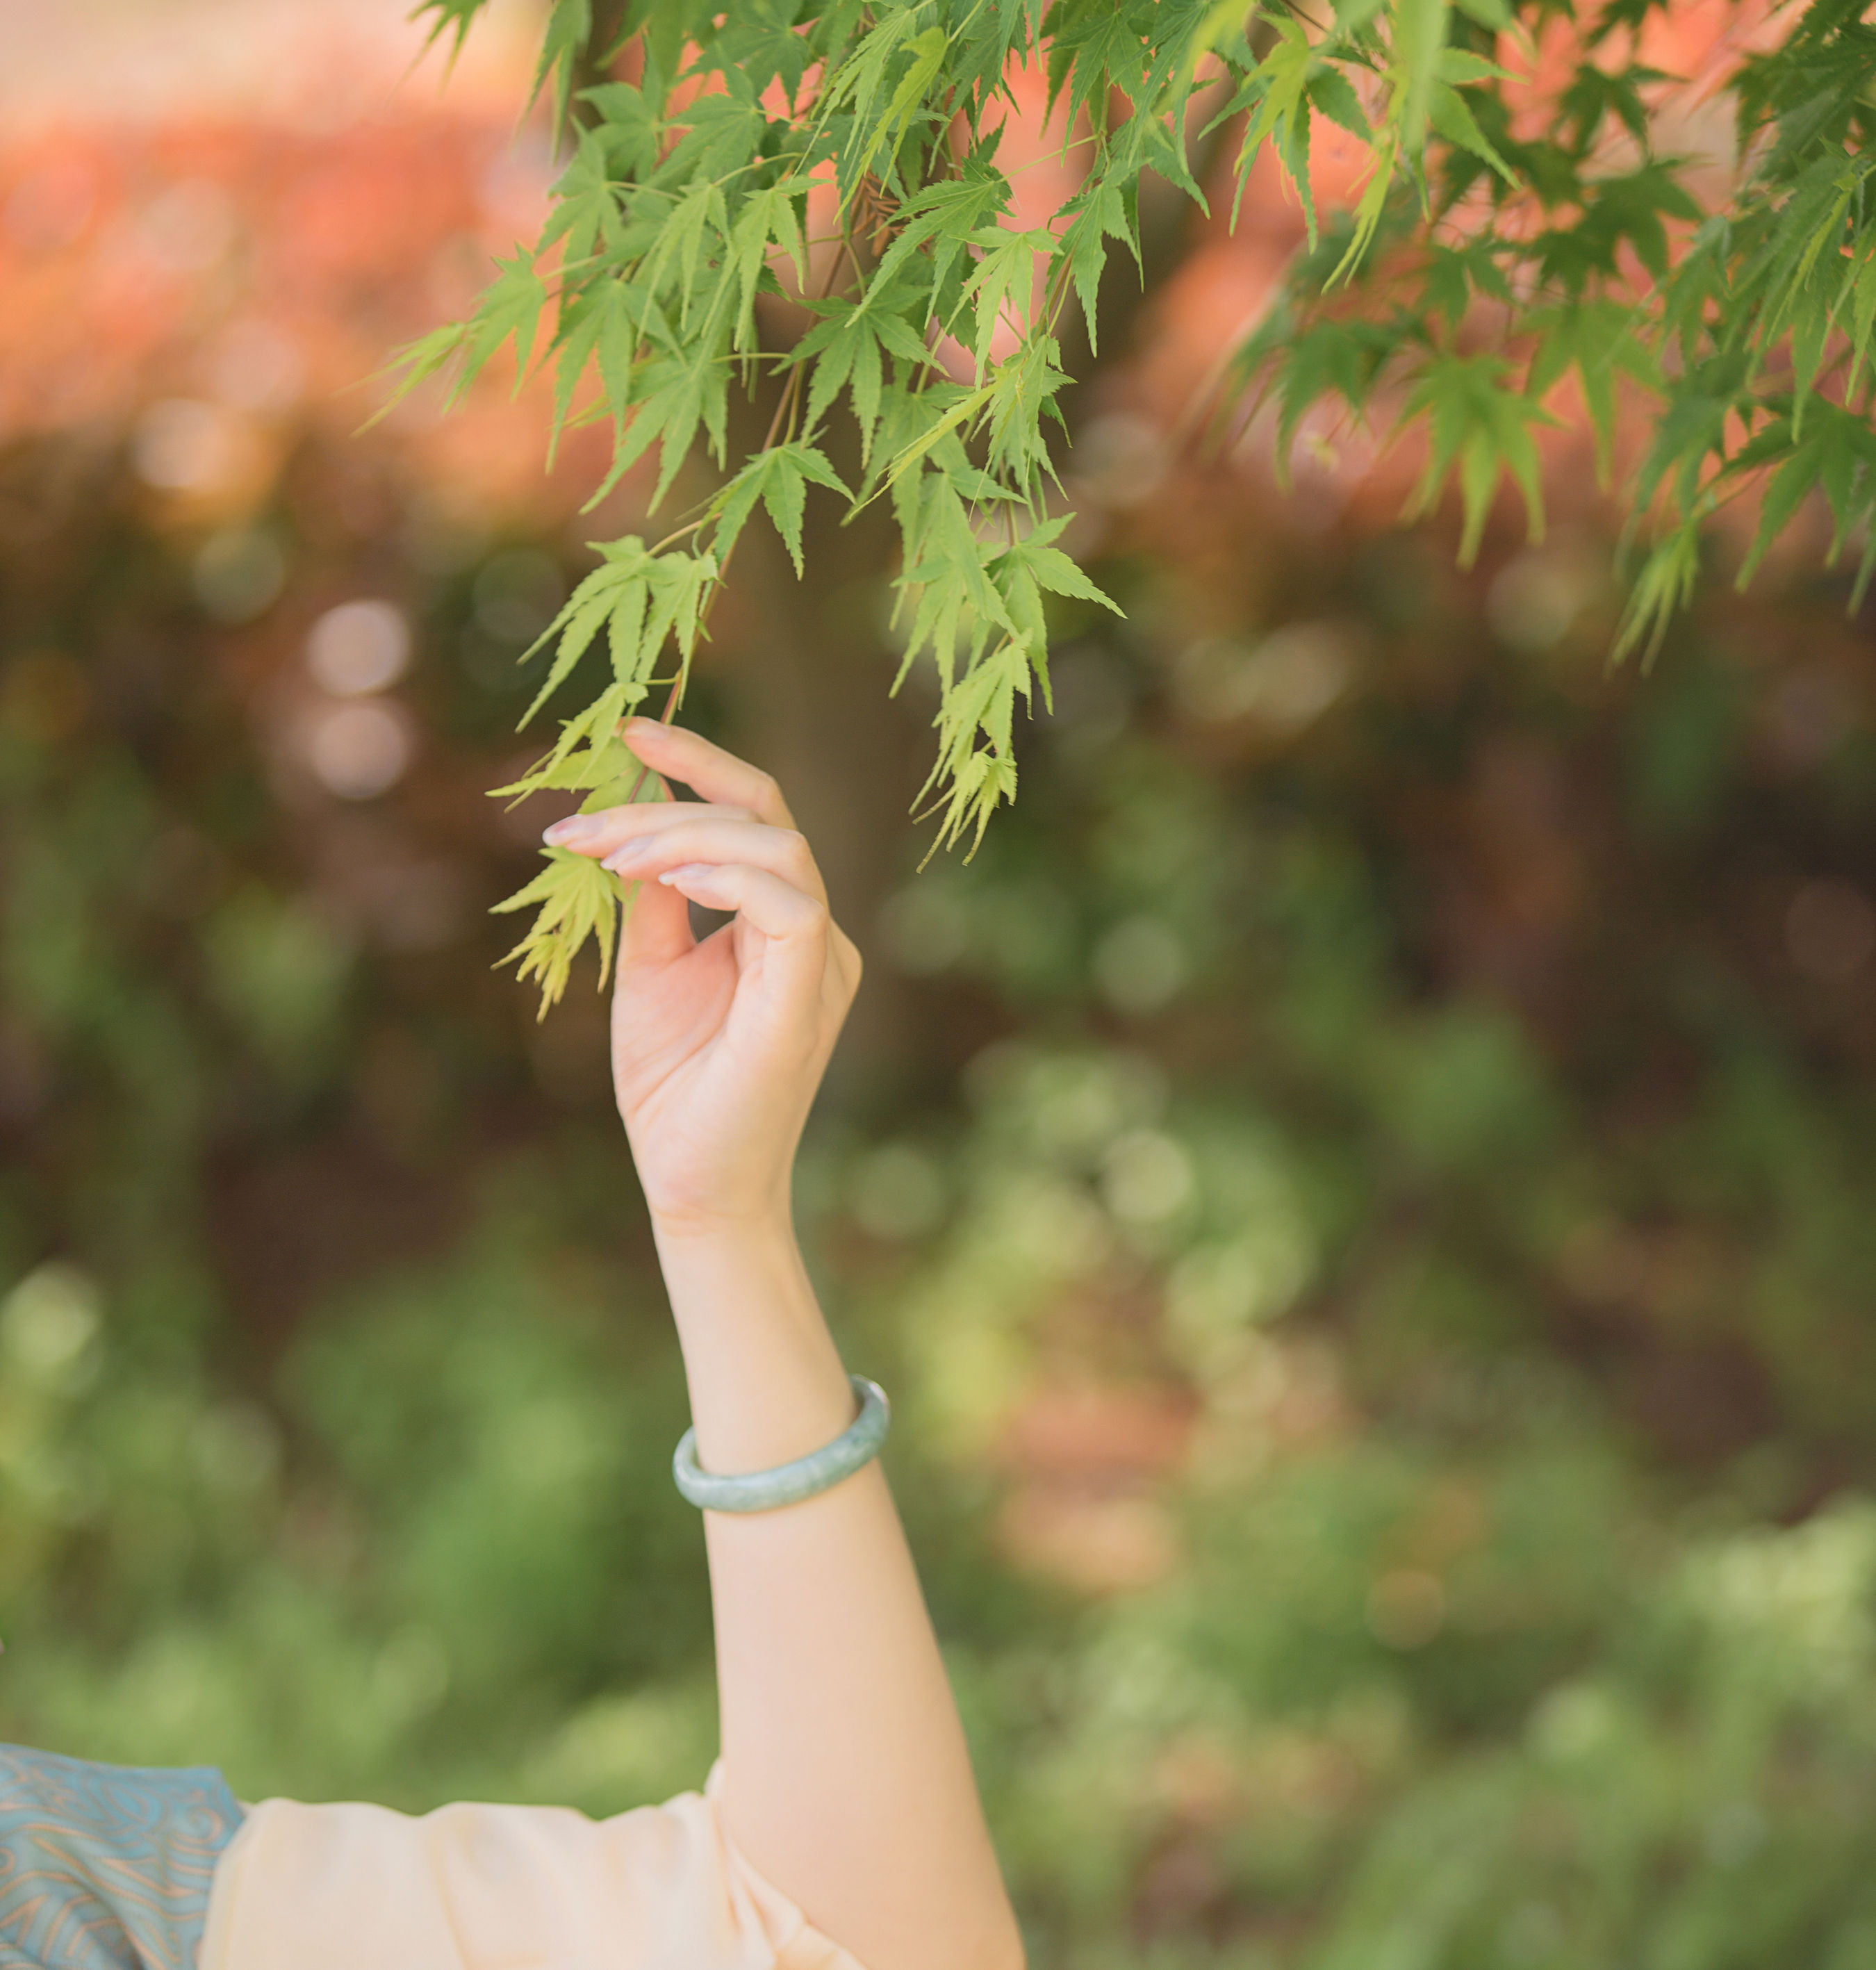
column 575, row 827
column 690, row 872
column 629, row 851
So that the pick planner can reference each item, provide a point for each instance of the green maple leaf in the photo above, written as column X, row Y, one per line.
column 628, row 129
column 639, row 598
column 677, row 397
column 847, row 347
column 1093, row 45
column 944, row 566
column 1662, row 589
column 563, row 40
column 779, row 477
column 766, row 216
column 1023, row 390
column 604, row 322
column 1102, row 212
column 1484, row 429
column 419, row 360
column 453, row 17
column 1277, row 95
column 1420, row 39
column 1598, row 339
column 1330, row 356
column 1451, row 114
column 974, row 779
column 510, row 305
column 1834, row 452
column 1027, row 568
column 1006, row 278
column 578, row 899
column 943, row 216
column 723, row 135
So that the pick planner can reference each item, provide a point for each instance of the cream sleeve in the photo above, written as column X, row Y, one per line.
column 500, row 1887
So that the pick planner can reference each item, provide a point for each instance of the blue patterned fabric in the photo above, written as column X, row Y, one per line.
column 106, row 1867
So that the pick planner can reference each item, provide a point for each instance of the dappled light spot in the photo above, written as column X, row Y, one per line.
column 357, row 751
column 620, row 1751
column 1735, row 1830
column 1199, row 1779
column 1266, row 1396
column 1216, row 1292
column 182, row 445
column 1536, row 598
column 358, row 647
column 1148, row 1177
column 1576, row 1722
column 50, row 1322
column 1139, row 965
column 1533, row 1933
column 1284, row 682
column 1119, row 460
column 238, row 572
column 256, row 365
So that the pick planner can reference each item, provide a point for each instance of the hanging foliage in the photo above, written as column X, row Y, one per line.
column 1510, row 255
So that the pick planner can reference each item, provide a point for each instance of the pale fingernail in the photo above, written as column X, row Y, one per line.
column 690, row 872
column 629, row 851
column 575, row 827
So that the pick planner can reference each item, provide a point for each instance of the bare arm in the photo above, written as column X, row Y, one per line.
column 847, row 1780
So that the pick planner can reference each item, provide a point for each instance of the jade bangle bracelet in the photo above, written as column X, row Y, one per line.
column 789, row 1483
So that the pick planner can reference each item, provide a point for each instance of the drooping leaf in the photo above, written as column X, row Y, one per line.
column 779, row 477
column 1477, row 425
column 577, row 899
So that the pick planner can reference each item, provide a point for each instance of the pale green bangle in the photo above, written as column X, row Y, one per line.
column 789, row 1483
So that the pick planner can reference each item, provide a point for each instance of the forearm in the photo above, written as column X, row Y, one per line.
column 847, row 1780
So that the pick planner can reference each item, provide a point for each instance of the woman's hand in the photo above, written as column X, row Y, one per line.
column 718, row 1047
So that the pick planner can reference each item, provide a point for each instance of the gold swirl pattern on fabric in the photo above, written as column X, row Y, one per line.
column 106, row 1867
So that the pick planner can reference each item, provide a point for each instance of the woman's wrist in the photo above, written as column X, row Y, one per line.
column 756, row 1231
column 767, row 1382
column 732, row 1277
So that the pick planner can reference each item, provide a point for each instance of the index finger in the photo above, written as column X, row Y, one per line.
column 719, row 777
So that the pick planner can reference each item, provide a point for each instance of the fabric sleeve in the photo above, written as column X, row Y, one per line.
column 501, row 1887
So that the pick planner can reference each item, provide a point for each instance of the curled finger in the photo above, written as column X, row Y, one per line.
column 790, row 981
column 720, row 777
column 710, row 839
column 600, row 832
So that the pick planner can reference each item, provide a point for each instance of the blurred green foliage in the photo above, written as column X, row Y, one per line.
column 1360, row 1191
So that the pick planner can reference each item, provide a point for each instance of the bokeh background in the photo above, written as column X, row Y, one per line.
column 1361, row 1191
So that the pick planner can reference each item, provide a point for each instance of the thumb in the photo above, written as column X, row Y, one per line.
column 655, row 929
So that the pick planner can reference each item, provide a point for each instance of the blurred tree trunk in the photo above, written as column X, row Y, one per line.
column 805, row 675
